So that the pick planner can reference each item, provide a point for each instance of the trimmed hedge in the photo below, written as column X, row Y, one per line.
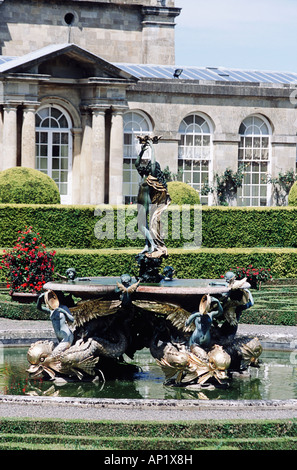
column 203, row 263
column 222, row 227
column 208, row 263
column 28, row 433
column 182, row 193
column 29, row 186
column 292, row 197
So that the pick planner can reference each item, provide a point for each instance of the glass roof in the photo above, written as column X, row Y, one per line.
column 209, row 73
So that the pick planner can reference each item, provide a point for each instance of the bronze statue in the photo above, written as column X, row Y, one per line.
column 152, row 200
column 60, row 316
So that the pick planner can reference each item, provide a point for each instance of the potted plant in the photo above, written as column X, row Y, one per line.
column 28, row 266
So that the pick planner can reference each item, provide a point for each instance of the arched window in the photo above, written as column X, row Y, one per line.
column 135, row 123
column 54, row 147
column 253, row 157
column 195, row 152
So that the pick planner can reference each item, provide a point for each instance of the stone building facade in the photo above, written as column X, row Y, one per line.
column 77, row 86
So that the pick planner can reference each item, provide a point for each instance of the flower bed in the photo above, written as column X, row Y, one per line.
column 28, row 266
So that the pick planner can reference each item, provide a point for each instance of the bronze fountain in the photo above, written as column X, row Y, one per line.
column 189, row 325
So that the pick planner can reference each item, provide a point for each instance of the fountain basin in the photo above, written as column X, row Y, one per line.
column 185, row 292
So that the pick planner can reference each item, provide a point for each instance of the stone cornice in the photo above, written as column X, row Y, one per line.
column 211, row 89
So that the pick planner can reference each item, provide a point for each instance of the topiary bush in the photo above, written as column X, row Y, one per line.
column 292, row 198
column 27, row 186
column 182, row 193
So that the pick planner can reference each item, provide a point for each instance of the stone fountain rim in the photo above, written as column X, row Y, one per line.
column 153, row 404
column 72, row 287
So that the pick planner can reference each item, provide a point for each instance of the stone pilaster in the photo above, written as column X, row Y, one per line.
column 116, row 157
column 1, row 138
column 28, row 136
column 98, row 156
column 9, row 136
column 76, row 166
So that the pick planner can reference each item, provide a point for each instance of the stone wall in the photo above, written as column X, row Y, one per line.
column 225, row 107
column 137, row 32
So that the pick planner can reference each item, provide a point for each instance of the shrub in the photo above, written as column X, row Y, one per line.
column 182, row 193
column 28, row 265
column 28, row 186
column 292, row 198
column 255, row 276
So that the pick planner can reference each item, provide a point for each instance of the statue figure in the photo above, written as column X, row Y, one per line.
column 127, row 289
column 168, row 273
column 152, row 200
column 203, row 320
column 59, row 314
column 71, row 273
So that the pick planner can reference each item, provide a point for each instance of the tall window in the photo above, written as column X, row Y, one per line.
column 54, row 147
column 135, row 123
column 195, row 150
column 253, row 157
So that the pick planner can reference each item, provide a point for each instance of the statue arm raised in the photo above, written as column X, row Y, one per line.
column 153, row 159
column 192, row 318
column 39, row 305
column 140, row 155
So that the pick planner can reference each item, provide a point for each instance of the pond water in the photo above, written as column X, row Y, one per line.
column 276, row 379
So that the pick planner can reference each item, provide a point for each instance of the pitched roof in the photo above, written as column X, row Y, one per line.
column 16, row 64
column 150, row 71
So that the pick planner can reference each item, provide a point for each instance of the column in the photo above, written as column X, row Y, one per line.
column 28, row 136
column 9, row 136
column 76, row 174
column 86, row 156
column 98, row 156
column 1, row 138
column 116, row 156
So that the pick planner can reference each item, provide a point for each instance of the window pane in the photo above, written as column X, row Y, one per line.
column 55, row 175
column 64, row 151
column 198, row 140
column 43, row 163
column 56, row 113
column 56, row 137
column 64, row 177
column 43, row 137
column 55, row 163
column 196, row 177
column 45, row 123
column 63, row 122
column 56, row 150
column 126, row 176
column 196, row 165
column 53, row 123
column 187, row 176
column 43, row 150
column 63, row 189
column 64, row 163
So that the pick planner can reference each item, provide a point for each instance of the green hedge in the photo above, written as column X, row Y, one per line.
column 28, row 186
column 206, row 263
column 203, row 263
column 24, row 433
column 222, row 227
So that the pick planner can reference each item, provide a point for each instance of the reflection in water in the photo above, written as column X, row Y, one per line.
column 275, row 380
